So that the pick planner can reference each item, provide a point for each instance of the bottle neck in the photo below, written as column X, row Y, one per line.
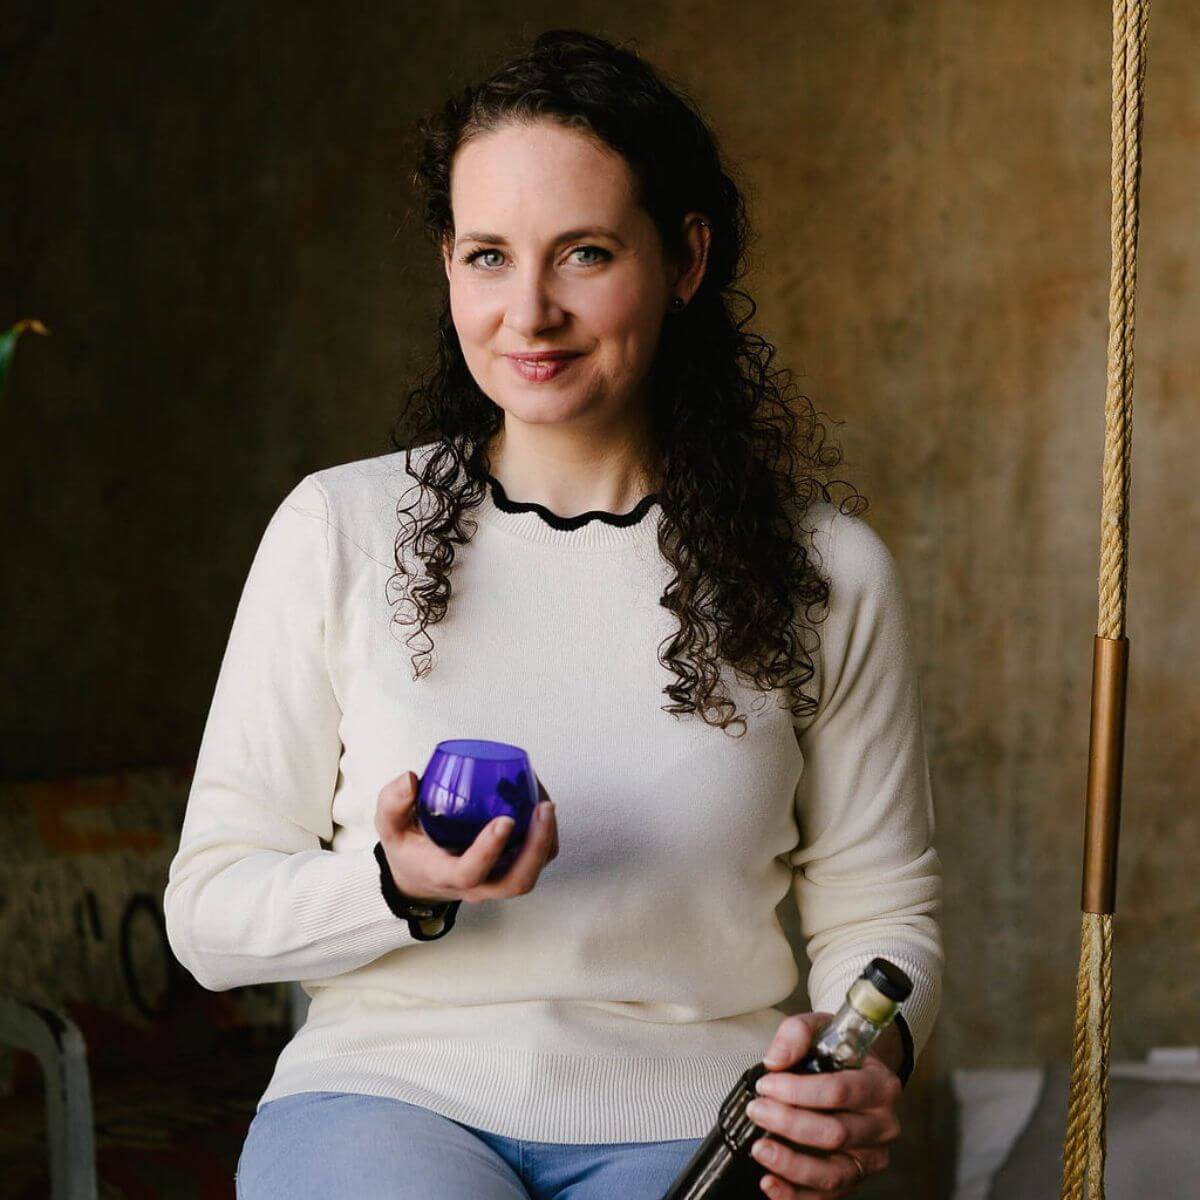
column 848, row 1037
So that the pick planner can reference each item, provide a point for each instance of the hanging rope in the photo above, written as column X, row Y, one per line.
column 1084, row 1146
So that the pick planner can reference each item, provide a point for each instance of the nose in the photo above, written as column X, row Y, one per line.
column 531, row 303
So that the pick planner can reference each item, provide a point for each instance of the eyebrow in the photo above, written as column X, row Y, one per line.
column 568, row 235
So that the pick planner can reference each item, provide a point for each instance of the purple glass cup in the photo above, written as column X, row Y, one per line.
column 469, row 782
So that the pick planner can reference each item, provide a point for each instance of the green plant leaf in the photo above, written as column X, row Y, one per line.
column 8, row 344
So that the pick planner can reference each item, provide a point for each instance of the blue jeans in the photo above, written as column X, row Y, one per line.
column 345, row 1146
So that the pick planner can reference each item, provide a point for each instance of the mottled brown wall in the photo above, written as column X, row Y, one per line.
column 208, row 206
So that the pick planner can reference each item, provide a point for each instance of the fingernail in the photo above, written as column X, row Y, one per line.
column 503, row 826
column 775, row 1057
column 763, row 1151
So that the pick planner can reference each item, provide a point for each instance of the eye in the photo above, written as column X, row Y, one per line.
column 470, row 258
column 599, row 250
column 475, row 254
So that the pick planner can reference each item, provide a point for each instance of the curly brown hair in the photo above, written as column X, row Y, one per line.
column 740, row 453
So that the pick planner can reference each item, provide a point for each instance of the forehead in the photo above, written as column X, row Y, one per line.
column 526, row 176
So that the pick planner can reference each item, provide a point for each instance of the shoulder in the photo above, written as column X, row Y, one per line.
column 866, row 636
column 356, row 502
column 849, row 552
column 361, row 490
column 365, row 481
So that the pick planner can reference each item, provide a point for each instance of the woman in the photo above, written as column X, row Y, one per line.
column 620, row 485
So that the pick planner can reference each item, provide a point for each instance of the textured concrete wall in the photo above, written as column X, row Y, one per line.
column 207, row 204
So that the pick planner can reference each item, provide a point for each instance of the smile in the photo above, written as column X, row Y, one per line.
column 540, row 371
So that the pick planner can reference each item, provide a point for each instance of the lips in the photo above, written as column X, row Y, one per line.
column 543, row 367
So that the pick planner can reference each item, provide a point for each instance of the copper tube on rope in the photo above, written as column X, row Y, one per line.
column 1102, row 824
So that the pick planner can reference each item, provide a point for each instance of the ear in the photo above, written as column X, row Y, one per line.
column 697, row 236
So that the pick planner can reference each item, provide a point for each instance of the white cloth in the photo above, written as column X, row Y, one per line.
column 619, row 999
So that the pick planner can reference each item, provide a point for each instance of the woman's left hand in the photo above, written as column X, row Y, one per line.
column 822, row 1125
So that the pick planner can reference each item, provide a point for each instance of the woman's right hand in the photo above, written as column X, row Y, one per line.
column 424, row 871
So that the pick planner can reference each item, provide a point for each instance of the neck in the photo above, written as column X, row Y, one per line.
column 610, row 479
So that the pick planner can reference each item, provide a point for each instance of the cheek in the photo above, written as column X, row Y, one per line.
column 623, row 310
column 468, row 311
column 477, row 319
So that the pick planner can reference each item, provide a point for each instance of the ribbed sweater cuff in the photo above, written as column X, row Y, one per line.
column 351, row 912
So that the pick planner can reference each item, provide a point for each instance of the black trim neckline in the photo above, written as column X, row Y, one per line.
column 632, row 517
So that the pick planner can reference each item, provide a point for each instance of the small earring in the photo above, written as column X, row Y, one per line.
column 677, row 303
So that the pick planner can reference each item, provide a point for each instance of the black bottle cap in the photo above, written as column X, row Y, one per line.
column 889, row 979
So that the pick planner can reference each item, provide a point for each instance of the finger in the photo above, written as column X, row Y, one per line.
column 395, row 808
column 856, row 1089
column 794, row 1037
column 546, row 815
column 523, row 872
column 474, row 865
column 873, row 1158
column 825, row 1132
column 810, row 1174
column 821, row 1131
column 796, row 1173
column 543, row 797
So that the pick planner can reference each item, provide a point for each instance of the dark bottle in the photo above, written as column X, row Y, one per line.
column 722, row 1167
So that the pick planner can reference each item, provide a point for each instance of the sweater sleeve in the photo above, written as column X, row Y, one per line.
column 867, row 878
column 252, row 895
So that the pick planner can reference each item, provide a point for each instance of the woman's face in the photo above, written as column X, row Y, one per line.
column 551, row 252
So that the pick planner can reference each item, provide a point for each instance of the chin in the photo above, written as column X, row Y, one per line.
column 540, row 403
column 541, row 414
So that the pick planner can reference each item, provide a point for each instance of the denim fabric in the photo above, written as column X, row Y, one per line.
column 345, row 1146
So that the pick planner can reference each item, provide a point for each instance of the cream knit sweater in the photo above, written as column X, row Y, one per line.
column 619, row 999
